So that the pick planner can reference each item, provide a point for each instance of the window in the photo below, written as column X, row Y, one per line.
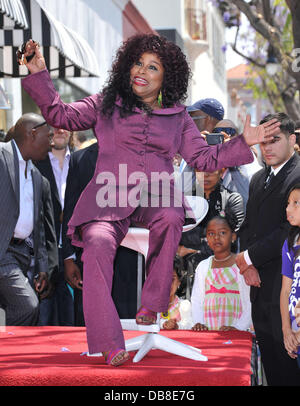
column 218, row 55
column 195, row 19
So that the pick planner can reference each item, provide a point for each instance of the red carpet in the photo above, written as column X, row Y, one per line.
column 51, row 356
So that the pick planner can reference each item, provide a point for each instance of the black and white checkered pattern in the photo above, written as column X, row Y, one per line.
column 65, row 52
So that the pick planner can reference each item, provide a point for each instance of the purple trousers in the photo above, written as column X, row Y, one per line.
column 100, row 242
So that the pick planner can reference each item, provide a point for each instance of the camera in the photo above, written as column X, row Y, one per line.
column 214, row 138
column 21, row 59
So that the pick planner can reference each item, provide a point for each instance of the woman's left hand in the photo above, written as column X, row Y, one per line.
column 261, row 133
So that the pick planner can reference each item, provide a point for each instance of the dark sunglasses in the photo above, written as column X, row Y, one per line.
column 198, row 117
column 228, row 130
column 41, row 125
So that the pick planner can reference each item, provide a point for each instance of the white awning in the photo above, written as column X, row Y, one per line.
column 67, row 54
column 15, row 11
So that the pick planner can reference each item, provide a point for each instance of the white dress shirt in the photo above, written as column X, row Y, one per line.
column 24, row 226
column 60, row 174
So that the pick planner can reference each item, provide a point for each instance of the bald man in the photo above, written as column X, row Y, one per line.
column 22, row 234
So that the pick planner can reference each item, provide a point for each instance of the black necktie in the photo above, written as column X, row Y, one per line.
column 268, row 180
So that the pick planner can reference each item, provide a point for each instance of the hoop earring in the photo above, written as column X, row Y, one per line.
column 159, row 100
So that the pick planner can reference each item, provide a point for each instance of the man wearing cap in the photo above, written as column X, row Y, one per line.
column 206, row 113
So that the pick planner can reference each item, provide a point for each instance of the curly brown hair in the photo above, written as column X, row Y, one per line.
column 176, row 75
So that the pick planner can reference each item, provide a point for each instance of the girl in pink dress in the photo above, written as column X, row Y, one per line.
column 220, row 297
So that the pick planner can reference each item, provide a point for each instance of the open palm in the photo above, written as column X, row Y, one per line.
column 261, row 133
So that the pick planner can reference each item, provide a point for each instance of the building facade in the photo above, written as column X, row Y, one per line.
column 241, row 100
column 79, row 39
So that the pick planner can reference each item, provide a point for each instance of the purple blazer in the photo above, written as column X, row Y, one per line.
column 129, row 149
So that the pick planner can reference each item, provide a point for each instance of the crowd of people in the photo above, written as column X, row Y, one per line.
column 61, row 262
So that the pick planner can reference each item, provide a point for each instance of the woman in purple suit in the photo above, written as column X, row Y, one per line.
column 140, row 125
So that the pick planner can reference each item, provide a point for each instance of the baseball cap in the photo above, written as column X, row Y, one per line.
column 210, row 106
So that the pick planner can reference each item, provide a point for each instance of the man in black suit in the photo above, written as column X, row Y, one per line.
column 22, row 237
column 58, row 309
column 262, row 235
column 81, row 170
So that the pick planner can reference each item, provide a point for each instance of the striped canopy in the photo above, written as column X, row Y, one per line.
column 67, row 54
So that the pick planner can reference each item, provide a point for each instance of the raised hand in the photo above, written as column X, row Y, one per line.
column 262, row 133
column 37, row 63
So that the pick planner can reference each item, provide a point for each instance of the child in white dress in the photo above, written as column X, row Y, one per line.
column 179, row 315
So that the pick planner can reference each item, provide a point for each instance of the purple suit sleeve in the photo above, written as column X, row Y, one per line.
column 198, row 154
column 78, row 116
